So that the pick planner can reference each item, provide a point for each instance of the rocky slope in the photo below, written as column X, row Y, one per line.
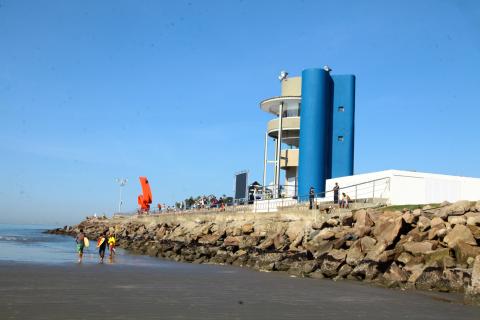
column 427, row 249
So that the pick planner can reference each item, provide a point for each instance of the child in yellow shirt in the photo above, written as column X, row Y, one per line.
column 111, row 244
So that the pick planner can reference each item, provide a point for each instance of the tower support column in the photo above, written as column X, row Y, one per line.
column 279, row 150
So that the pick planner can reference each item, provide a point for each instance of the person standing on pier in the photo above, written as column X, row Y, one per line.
column 336, row 189
column 311, row 196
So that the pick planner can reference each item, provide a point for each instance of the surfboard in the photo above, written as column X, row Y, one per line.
column 86, row 242
column 100, row 241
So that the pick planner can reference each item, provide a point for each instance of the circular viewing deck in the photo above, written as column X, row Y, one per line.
column 272, row 105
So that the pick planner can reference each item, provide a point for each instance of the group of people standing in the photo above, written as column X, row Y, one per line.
column 105, row 240
column 343, row 203
column 210, row 202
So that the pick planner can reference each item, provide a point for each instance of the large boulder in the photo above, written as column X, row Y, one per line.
column 362, row 219
column 463, row 251
column 152, row 250
column 409, row 218
column 234, row 231
column 437, row 222
column 355, row 253
column 285, row 264
column 367, row 243
column 332, row 222
column 437, row 257
column 474, row 220
column 360, row 232
column 200, row 230
column 475, row 231
column 209, row 239
column 413, row 262
column 455, row 209
column 366, row 270
column 295, row 243
column 266, row 244
column 319, row 248
column 377, row 253
column 332, row 262
column 477, row 206
column 302, row 268
column 326, row 234
column 247, row 228
column 344, row 271
column 432, row 278
column 267, row 261
column 280, row 241
column 160, row 232
column 418, row 212
column 143, row 230
column 388, row 229
column 423, row 223
column 456, row 279
column 415, row 272
column 248, row 242
column 418, row 248
column 404, row 257
column 454, row 220
column 294, row 230
column 437, row 232
column 395, row 275
column 473, row 290
column 346, row 218
column 416, row 235
column 459, row 233
column 233, row 241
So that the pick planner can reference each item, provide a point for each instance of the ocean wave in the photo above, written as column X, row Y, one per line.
column 15, row 238
column 26, row 239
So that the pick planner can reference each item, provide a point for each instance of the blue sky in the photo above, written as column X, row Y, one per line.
column 95, row 90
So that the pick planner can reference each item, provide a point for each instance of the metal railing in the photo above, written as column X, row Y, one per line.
column 373, row 191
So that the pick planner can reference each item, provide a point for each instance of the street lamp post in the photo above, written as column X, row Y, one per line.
column 121, row 182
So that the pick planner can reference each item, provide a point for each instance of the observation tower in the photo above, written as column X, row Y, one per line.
column 313, row 131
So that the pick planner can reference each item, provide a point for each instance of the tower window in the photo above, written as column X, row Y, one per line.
column 340, row 138
column 341, row 109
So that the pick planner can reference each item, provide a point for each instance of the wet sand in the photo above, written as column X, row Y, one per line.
column 185, row 291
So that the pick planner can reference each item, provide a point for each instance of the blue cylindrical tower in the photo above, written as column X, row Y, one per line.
column 315, row 155
column 343, row 131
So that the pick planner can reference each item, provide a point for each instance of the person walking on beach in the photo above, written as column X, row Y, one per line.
column 311, row 196
column 111, row 245
column 102, row 245
column 80, row 239
column 336, row 189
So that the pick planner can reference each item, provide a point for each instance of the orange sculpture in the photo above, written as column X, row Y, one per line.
column 145, row 198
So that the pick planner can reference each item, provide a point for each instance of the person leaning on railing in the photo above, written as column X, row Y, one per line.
column 345, row 201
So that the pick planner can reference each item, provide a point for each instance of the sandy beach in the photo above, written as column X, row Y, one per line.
column 185, row 291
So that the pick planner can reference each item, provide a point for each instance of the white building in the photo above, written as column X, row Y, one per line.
column 397, row 187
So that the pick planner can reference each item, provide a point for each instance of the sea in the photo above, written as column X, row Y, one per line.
column 30, row 244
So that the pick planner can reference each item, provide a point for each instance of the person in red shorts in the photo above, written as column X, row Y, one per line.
column 111, row 245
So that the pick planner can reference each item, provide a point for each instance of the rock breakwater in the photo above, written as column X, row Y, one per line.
column 433, row 248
